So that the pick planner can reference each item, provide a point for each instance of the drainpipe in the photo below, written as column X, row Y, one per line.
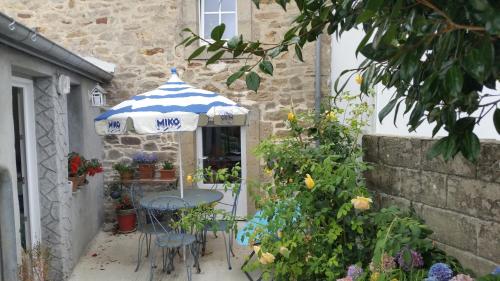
column 317, row 78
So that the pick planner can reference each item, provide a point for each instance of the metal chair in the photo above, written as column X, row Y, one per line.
column 168, row 238
column 221, row 225
column 146, row 229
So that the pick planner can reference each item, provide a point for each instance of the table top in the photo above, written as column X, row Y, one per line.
column 193, row 198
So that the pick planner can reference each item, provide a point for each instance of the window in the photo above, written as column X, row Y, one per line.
column 215, row 12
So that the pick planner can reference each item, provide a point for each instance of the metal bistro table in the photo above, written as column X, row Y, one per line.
column 192, row 198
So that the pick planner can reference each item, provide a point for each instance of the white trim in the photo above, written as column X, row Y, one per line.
column 202, row 18
column 31, row 159
column 242, row 200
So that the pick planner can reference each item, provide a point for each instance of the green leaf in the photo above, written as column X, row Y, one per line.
column 216, row 45
column 266, row 67
column 234, row 41
column 197, row 52
column 235, row 76
column 479, row 61
column 215, row 57
column 496, row 119
column 387, row 109
column 217, row 32
column 298, row 52
column 471, row 146
column 454, row 80
column 253, row 81
column 256, row 2
column 275, row 52
column 439, row 148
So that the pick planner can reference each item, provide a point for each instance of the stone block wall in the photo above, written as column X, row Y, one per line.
column 460, row 200
column 140, row 38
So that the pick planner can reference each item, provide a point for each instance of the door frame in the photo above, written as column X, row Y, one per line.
column 31, row 167
column 242, row 200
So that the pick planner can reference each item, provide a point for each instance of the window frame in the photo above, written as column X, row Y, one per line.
column 219, row 13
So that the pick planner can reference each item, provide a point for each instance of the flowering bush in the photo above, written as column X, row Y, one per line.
column 322, row 224
column 124, row 202
column 93, row 167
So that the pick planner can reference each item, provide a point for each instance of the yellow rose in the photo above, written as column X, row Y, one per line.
column 284, row 251
column 256, row 249
column 280, row 234
column 266, row 258
column 361, row 203
column 268, row 171
column 290, row 180
column 331, row 116
column 375, row 276
column 358, row 78
column 309, row 182
column 189, row 179
column 291, row 116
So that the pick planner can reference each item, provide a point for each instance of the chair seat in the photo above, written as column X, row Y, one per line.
column 175, row 240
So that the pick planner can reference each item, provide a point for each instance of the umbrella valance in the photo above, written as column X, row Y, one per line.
column 173, row 107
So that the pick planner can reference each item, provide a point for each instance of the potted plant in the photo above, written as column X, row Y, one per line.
column 125, row 171
column 76, row 170
column 125, row 214
column 168, row 171
column 146, row 164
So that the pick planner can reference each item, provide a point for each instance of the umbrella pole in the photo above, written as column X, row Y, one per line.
column 181, row 174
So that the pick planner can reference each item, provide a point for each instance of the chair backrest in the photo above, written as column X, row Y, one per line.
column 136, row 194
column 162, row 212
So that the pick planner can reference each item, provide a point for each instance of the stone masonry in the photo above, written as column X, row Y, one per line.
column 458, row 199
column 55, row 195
column 140, row 38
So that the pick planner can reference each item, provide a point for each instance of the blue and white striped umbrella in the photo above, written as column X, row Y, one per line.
column 173, row 107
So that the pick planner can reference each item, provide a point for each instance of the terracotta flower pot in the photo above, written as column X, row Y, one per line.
column 126, row 220
column 81, row 180
column 126, row 176
column 167, row 174
column 74, row 181
column 146, row 171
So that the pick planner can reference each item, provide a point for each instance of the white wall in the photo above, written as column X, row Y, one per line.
column 343, row 57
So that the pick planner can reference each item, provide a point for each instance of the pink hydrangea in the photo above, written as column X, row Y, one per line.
column 462, row 277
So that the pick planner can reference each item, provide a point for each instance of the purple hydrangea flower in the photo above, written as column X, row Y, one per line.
column 430, row 279
column 496, row 271
column 354, row 271
column 441, row 272
column 416, row 260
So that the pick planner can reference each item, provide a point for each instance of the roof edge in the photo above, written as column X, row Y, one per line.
column 19, row 36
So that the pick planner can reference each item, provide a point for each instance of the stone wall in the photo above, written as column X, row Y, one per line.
column 140, row 38
column 460, row 200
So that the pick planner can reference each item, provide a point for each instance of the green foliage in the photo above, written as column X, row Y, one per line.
column 123, row 168
column 167, row 165
column 437, row 55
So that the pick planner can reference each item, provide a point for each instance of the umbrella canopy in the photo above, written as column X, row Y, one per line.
column 173, row 107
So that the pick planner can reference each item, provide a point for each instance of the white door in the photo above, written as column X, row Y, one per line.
column 27, row 169
column 223, row 147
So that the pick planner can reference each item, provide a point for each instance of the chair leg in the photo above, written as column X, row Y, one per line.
column 231, row 240
column 228, row 255
column 148, row 243
column 139, row 251
column 245, row 263
column 188, row 266
column 152, row 259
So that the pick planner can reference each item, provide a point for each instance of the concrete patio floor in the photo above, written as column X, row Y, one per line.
column 113, row 258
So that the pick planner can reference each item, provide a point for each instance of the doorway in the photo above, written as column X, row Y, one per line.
column 26, row 162
column 223, row 147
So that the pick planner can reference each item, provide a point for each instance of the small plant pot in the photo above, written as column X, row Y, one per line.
column 167, row 174
column 126, row 176
column 82, row 180
column 74, row 183
column 126, row 220
column 146, row 171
